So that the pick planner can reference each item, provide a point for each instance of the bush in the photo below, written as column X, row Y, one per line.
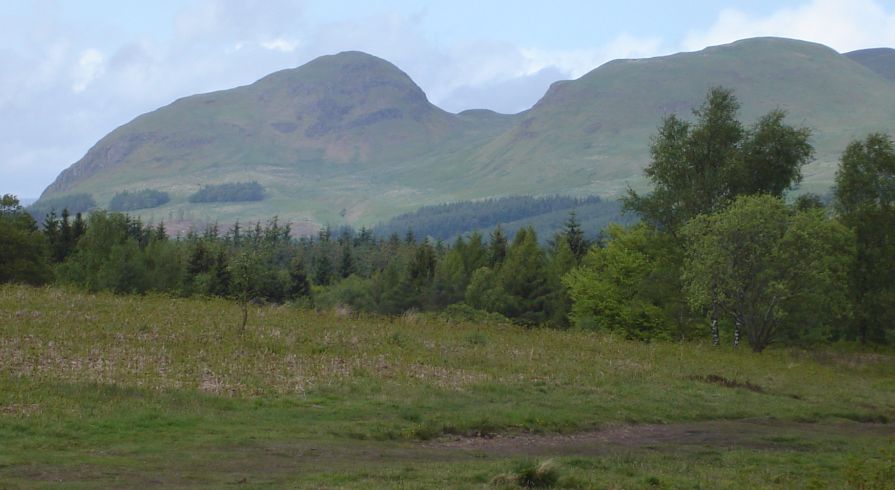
column 129, row 201
column 530, row 474
column 353, row 292
column 235, row 192
column 462, row 312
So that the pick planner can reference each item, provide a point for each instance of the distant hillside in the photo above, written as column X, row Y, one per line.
column 350, row 138
column 880, row 60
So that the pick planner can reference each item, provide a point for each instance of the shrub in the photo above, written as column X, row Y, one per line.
column 530, row 474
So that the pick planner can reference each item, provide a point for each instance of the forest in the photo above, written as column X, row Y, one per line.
column 719, row 249
column 144, row 199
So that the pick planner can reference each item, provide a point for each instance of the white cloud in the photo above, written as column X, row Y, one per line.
column 580, row 61
column 280, row 44
column 844, row 25
column 89, row 67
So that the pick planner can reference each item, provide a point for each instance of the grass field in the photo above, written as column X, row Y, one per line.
column 115, row 391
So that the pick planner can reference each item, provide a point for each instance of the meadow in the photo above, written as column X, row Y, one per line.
column 100, row 390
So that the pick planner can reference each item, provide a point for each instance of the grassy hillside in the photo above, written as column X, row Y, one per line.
column 594, row 131
column 101, row 390
column 880, row 60
column 349, row 138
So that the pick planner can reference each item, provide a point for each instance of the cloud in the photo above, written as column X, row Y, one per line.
column 90, row 65
column 505, row 96
column 844, row 25
column 580, row 61
column 280, row 44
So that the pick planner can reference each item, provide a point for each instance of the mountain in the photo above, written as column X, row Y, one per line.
column 880, row 60
column 596, row 129
column 351, row 138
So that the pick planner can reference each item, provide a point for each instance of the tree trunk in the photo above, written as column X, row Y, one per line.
column 736, row 332
column 716, row 337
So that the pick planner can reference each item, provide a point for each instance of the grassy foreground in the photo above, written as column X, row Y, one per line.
column 103, row 390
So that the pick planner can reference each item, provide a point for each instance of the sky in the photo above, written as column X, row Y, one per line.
column 72, row 71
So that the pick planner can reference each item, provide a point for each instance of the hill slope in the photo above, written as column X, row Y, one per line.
column 350, row 137
column 880, row 60
column 596, row 129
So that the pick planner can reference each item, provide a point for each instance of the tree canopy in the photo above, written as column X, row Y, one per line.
column 700, row 167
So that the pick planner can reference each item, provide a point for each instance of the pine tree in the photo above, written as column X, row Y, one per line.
column 346, row 265
column 524, row 280
column 323, row 270
column 574, row 237
column 219, row 280
column 497, row 248
column 51, row 233
column 300, row 287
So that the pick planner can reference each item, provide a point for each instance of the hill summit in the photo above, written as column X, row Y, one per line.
column 351, row 138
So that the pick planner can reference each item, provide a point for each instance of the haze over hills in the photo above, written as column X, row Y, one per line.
column 351, row 138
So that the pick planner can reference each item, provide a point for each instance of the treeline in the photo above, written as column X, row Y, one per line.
column 717, row 253
column 112, row 251
column 233, row 192
column 73, row 203
column 144, row 199
column 545, row 214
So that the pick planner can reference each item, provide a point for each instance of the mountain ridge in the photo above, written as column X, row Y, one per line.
column 350, row 138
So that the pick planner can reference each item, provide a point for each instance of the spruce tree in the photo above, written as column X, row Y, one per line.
column 497, row 248
column 323, row 270
column 346, row 264
column 300, row 287
column 574, row 237
column 524, row 280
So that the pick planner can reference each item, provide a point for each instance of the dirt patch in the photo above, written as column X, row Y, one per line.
column 728, row 383
column 759, row 434
column 269, row 463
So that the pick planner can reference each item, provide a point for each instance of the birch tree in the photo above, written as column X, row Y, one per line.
column 761, row 264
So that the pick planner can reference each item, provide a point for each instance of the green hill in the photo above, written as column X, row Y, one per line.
column 350, row 138
column 880, row 60
column 591, row 134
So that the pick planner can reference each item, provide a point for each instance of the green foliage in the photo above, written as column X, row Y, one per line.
column 354, row 292
column 23, row 249
column 523, row 279
column 323, row 269
column 537, row 475
column 865, row 201
column 245, row 279
column 631, row 286
column 699, row 168
column 451, row 277
column 547, row 215
column 300, row 286
column 108, row 256
column 770, row 269
column 74, row 203
column 232, row 192
column 144, row 199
